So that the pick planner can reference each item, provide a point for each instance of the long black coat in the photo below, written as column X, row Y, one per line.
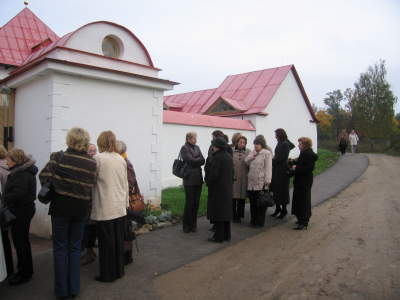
column 280, row 179
column 220, row 187
column 192, row 155
column 303, row 181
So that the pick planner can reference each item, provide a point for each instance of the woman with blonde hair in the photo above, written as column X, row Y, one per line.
column 302, row 169
column 110, row 200
column 72, row 186
column 191, row 154
column 20, row 196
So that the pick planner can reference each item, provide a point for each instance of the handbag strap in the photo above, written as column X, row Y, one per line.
column 62, row 154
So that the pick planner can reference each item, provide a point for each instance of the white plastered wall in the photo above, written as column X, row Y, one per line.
column 90, row 39
column 33, row 102
column 289, row 111
column 4, row 72
column 46, row 108
column 286, row 110
column 174, row 138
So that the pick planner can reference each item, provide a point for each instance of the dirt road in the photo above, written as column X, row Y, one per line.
column 351, row 250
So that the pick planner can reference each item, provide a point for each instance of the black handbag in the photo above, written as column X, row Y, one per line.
column 46, row 192
column 6, row 217
column 180, row 168
column 265, row 198
column 130, row 234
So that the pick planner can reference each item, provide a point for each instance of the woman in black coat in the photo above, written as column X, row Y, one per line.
column 280, row 179
column 220, row 189
column 303, row 180
column 192, row 155
column 19, row 195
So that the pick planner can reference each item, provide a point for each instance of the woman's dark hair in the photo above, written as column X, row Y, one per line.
column 226, row 138
column 281, row 134
column 241, row 138
column 218, row 133
column 260, row 141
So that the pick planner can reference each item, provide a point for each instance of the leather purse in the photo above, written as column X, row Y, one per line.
column 180, row 168
column 265, row 198
column 46, row 192
column 6, row 217
column 136, row 202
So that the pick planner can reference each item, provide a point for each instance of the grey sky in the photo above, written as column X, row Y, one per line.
column 199, row 43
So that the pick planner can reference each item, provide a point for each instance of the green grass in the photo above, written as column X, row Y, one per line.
column 173, row 199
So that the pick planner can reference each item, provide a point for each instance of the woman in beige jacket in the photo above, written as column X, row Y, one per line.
column 110, row 200
column 259, row 177
column 240, row 152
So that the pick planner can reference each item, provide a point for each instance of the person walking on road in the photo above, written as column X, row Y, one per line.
column 353, row 138
column 343, row 139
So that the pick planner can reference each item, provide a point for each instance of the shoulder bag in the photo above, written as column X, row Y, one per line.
column 136, row 202
column 46, row 192
column 265, row 198
column 6, row 217
column 180, row 168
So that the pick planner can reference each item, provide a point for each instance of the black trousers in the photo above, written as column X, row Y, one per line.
column 342, row 148
column 111, row 248
column 238, row 212
column 257, row 213
column 222, row 230
column 192, row 193
column 20, row 236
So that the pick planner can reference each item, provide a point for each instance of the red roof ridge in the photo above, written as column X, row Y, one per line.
column 254, row 90
column 20, row 35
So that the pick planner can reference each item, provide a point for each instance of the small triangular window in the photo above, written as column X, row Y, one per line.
column 223, row 107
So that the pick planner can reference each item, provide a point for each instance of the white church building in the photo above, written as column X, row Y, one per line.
column 101, row 77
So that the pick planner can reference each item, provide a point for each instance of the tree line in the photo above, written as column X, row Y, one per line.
column 368, row 108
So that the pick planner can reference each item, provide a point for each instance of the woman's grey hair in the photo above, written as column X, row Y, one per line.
column 122, row 146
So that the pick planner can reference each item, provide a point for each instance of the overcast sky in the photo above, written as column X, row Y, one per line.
column 200, row 42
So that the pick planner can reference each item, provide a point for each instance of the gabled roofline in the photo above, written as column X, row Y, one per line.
column 304, row 95
column 63, row 41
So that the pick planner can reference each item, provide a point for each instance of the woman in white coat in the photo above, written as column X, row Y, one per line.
column 353, row 138
column 259, row 177
column 110, row 200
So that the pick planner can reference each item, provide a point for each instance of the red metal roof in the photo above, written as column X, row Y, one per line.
column 208, row 121
column 251, row 92
column 20, row 35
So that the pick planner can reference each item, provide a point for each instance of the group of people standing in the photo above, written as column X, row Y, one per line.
column 235, row 172
column 90, row 195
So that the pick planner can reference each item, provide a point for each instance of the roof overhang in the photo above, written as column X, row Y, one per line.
column 46, row 64
column 206, row 121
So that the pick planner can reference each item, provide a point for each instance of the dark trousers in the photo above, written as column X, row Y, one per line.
column 111, row 248
column 222, row 230
column 67, row 236
column 342, row 148
column 238, row 212
column 257, row 213
column 20, row 236
column 192, row 193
